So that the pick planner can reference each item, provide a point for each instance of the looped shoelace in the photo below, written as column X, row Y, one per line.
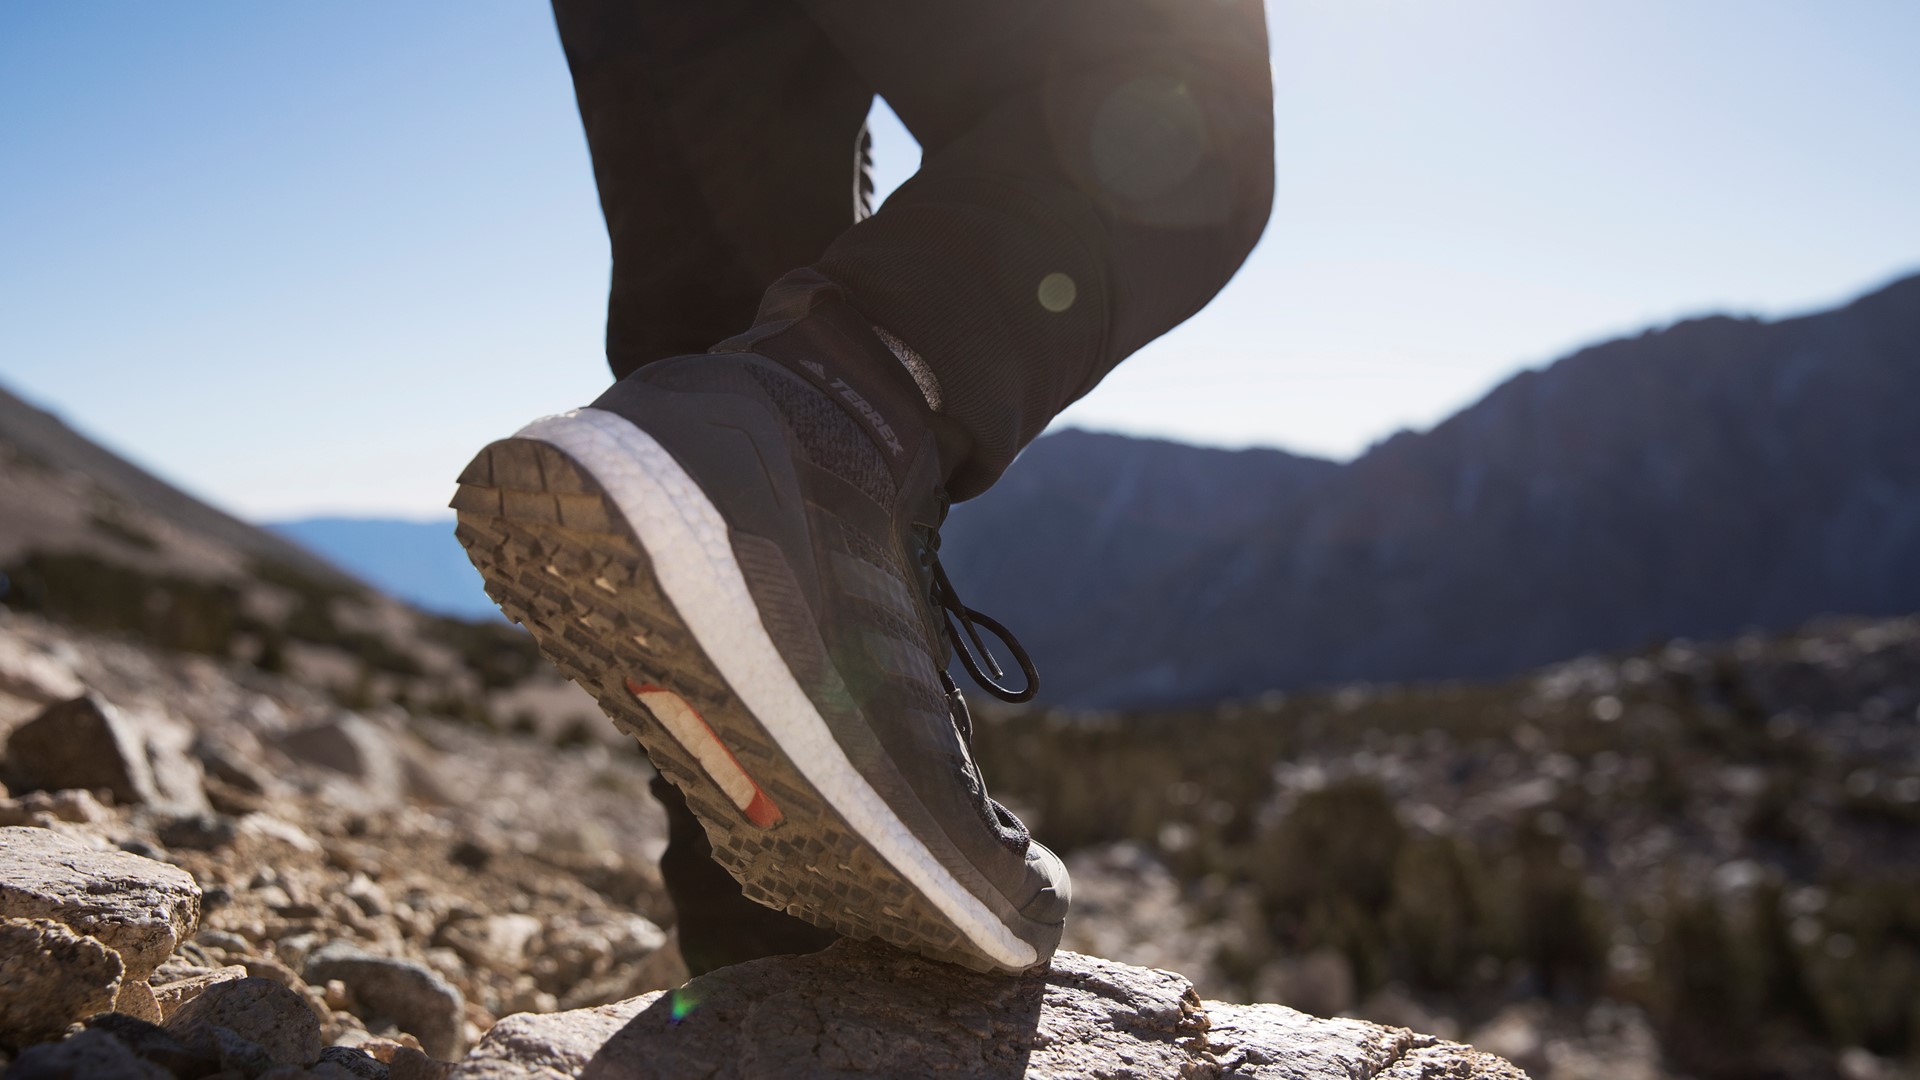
column 966, row 635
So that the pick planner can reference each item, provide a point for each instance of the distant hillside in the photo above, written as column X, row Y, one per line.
column 1716, row 476
column 92, row 540
column 38, row 438
column 418, row 561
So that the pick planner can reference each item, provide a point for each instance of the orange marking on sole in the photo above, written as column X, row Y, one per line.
column 692, row 731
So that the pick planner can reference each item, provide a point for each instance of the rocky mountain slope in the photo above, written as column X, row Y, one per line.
column 93, row 541
column 1692, row 859
column 259, row 821
column 1713, row 477
column 211, row 871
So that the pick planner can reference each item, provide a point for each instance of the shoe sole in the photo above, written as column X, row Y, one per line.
column 589, row 534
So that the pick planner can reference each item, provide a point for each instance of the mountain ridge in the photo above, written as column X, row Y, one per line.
column 1704, row 478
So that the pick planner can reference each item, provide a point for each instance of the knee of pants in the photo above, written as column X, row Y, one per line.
column 1177, row 152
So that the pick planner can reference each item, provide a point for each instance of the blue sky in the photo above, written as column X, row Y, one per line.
column 306, row 257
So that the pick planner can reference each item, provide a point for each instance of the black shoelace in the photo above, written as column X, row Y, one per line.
column 964, row 625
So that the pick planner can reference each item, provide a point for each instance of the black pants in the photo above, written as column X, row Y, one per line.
column 1093, row 171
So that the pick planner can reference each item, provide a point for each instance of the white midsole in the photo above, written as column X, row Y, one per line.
column 686, row 538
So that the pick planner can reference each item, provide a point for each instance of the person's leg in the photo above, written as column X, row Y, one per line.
column 726, row 138
column 737, row 553
column 1094, row 171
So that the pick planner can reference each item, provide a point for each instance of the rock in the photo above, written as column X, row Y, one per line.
column 410, row 1064
column 49, row 978
column 82, row 743
column 402, row 992
column 136, row 1000
column 172, row 995
column 155, row 1045
column 90, row 1054
column 42, row 808
column 139, row 908
column 259, row 1011
column 195, row 831
column 262, row 826
column 357, row 748
column 35, row 674
column 860, row 1009
column 1273, row 1042
column 356, row 1062
column 663, row 969
column 235, row 758
column 177, row 775
column 236, row 1052
column 494, row 941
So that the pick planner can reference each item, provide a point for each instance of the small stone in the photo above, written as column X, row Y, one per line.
column 360, row 1064
column 366, row 895
column 34, row 674
column 411, row 1064
column 261, row 1011
column 493, row 941
column 235, row 758
column 139, row 908
column 470, row 854
column 400, row 992
column 262, row 826
column 196, row 832
column 49, row 978
column 89, row 1054
column 266, row 967
column 74, row 804
column 356, row 748
column 172, row 995
column 136, row 1000
column 408, row 995
column 380, row 1047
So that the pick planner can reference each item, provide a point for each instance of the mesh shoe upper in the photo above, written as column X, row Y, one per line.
column 859, row 548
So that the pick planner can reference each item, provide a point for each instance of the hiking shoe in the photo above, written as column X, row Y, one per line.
column 736, row 553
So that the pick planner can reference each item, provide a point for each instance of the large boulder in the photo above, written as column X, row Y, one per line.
column 860, row 1009
column 139, row 908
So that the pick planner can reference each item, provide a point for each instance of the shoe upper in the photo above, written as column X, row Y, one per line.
column 834, row 501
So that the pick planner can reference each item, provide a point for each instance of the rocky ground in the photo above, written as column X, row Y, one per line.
column 1699, row 859
column 209, row 870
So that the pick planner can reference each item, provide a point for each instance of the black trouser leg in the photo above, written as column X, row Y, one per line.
column 1094, row 171
column 724, row 136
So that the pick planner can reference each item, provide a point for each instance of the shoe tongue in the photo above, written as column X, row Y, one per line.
column 807, row 327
